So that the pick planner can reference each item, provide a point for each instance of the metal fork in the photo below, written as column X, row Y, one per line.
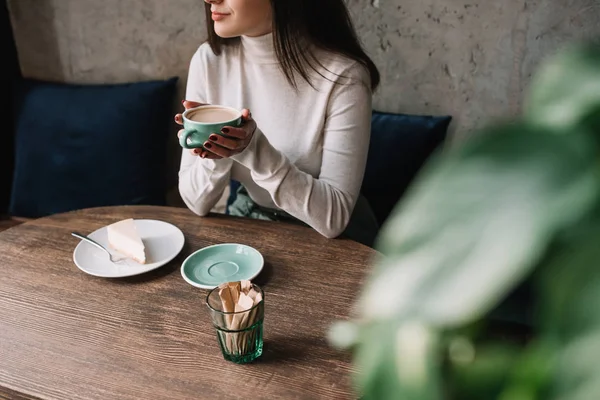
column 114, row 259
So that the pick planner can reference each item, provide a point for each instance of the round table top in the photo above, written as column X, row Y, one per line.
column 69, row 335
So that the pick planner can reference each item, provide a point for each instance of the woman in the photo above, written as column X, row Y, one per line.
column 301, row 153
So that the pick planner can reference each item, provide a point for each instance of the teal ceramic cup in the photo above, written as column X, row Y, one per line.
column 200, row 122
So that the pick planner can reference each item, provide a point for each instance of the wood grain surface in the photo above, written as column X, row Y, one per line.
column 68, row 335
column 6, row 223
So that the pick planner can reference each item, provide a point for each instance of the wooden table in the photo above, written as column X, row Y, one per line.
column 68, row 335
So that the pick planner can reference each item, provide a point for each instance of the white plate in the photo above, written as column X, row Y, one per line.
column 163, row 242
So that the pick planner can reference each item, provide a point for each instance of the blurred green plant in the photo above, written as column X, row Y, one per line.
column 519, row 204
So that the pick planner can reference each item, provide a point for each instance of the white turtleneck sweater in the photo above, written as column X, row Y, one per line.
column 308, row 154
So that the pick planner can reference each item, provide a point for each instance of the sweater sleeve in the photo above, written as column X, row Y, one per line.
column 325, row 203
column 201, row 181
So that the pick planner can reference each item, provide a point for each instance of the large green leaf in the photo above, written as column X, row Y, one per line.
column 566, row 89
column 486, row 375
column 577, row 376
column 531, row 373
column 570, row 310
column 476, row 221
column 570, row 286
column 398, row 361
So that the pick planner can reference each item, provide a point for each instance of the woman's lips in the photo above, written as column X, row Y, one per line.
column 218, row 16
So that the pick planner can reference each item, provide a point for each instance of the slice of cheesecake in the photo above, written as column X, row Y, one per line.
column 124, row 238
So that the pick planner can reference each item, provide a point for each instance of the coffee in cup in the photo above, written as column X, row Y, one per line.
column 200, row 122
column 213, row 115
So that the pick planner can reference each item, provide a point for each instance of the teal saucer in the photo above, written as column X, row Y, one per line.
column 207, row 268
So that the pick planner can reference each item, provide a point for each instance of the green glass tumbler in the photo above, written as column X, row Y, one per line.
column 240, row 334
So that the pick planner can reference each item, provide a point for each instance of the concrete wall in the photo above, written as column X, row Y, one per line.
column 471, row 59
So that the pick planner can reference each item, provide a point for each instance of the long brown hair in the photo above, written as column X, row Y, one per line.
column 325, row 24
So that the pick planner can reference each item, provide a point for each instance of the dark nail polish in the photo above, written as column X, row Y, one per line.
column 182, row 101
column 207, row 145
column 214, row 138
column 197, row 151
column 225, row 130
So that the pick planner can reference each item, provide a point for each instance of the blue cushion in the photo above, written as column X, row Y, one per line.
column 400, row 145
column 80, row 146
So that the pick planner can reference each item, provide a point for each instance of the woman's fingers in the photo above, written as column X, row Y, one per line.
column 218, row 150
column 179, row 119
column 237, row 133
column 200, row 152
column 228, row 143
column 210, row 156
column 242, row 133
column 246, row 114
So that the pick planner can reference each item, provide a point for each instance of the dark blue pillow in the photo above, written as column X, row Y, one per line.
column 80, row 146
column 400, row 145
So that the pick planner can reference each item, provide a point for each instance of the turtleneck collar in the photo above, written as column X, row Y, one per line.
column 259, row 49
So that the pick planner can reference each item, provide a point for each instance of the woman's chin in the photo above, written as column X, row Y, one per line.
column 225, row 33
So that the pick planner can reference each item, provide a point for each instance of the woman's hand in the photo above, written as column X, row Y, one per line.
column 231, row 141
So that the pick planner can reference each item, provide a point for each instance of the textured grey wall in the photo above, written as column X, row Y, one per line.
column 471, row 59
